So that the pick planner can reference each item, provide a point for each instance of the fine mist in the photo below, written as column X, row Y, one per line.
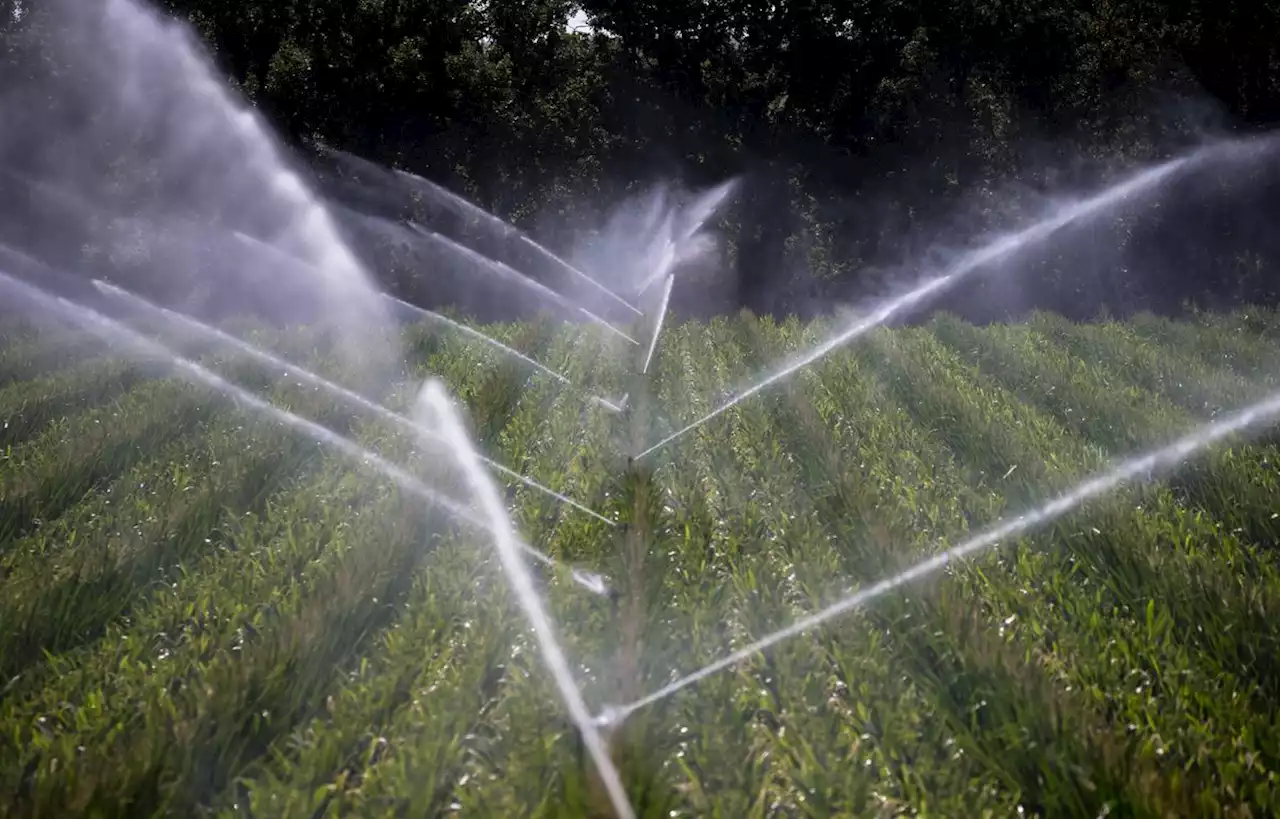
column 122, row 155
column 664, row 230
column 434, row 243
column 376, row 194
column 1203, row 238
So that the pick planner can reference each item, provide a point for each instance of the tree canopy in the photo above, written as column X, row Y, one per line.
column 861, row 129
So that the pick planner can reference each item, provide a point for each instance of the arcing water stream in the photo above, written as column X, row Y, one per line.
column 469, row 209
column 434, row 401
column 127, row 82
column 1264, row 411
column 657, row 325
column 412, row 234
column 227, row 340
column 1003, row 246
column 116, row 334
column 123, row 75
column 510, row 274
column 422, row 312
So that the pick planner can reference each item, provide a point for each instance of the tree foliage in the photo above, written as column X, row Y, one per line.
column 860, row 129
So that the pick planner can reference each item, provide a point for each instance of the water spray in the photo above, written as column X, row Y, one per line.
column 337, row 390
column 435, row 401
column 578, row 274
column 471, row 332
column 466, row 208
column 439, row 318
column 509, row 273
column 967, row 264
column 657, row 326
column 1143, row 466
column 112, row 331
column 207, row 134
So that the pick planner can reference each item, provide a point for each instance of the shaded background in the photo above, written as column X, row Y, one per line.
column 863, row 134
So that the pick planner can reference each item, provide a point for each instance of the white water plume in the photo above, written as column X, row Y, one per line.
column 276, row 259
column 351, row 397
column 657, row 325
column 471, row 332
column 460, row 206
column 667, row 254
column 123, row 109
column 704, row 207
column 222, row 256
column 650, row 236
column 992, row 252
column 1143, row 466
column 510, row 274
column 434, row 401
column 114, row 333
column 414, row 237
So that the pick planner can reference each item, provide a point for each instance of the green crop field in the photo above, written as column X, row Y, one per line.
column 203, row 612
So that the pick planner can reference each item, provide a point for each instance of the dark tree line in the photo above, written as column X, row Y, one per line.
column 863, row 132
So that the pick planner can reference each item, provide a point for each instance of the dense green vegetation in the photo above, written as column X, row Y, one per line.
column 205, row 614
